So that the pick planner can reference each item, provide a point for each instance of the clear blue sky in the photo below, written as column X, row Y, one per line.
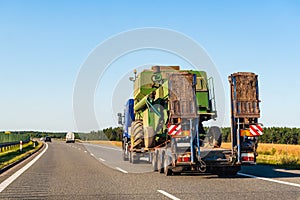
column 43, row 45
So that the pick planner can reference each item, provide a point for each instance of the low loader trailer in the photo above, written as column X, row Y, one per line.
column 164, row 122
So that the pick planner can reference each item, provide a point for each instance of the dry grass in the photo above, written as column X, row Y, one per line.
column 273, row 149
column 115, row 143
column 280, row 149
column 226, row 145
column 276, row 154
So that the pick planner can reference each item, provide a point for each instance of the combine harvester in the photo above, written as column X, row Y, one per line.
column 164, row 122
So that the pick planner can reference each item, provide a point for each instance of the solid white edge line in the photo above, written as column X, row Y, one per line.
column 13, row 177
column 121, row 170
column 288, row 171
column 268, row 179
column 168, row 195
column 102, row 159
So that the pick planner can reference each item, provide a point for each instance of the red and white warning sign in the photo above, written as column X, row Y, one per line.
column 174, row 130
column 256, row 130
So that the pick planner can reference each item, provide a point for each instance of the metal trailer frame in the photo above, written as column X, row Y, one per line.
column 245, row 111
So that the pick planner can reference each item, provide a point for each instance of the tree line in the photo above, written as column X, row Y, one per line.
column 274, row 135
column 112, row 134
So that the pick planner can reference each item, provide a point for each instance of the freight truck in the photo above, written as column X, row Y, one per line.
column 164, row 122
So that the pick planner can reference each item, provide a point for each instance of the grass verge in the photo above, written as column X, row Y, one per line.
column 115, row 143
column 13, row 155
column 279, row 155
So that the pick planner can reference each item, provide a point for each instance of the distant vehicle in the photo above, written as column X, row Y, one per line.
column 47, row 139
column 70, row 137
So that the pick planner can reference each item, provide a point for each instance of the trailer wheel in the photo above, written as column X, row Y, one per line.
column 133, row 158
column 154, row 161
column 167, row 162
column 125, row 157
column 160, row 162
column 130, row 158
column 125, row 147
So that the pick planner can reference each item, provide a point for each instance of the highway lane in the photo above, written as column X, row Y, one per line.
column 75, row 171
column 112, row 157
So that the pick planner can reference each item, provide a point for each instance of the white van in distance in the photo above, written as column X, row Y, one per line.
column 70, row 137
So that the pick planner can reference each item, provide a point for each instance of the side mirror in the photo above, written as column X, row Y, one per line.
column 120, row 118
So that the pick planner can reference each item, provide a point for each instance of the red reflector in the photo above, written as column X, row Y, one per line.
column 184, row 158
column 246, row 158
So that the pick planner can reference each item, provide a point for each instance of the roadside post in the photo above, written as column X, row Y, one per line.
column 21, row 145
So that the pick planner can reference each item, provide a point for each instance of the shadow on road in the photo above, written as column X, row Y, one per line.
column 270, row 171
column 257, row 170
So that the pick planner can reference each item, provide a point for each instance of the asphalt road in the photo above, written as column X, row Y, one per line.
column 87, row 171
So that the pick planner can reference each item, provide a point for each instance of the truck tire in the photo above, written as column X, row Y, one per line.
column 125, row 158
column 124, row 148
column 137, row 134
column 130, row 157
column 160, row 162
column 154, row 161
column 167, row 162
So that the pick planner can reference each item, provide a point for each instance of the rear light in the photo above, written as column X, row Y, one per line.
column 247, row 157
column 184, row 158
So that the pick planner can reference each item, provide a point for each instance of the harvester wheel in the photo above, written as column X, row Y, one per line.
column 136, row 124
column 215, row 134
column 137, row 134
